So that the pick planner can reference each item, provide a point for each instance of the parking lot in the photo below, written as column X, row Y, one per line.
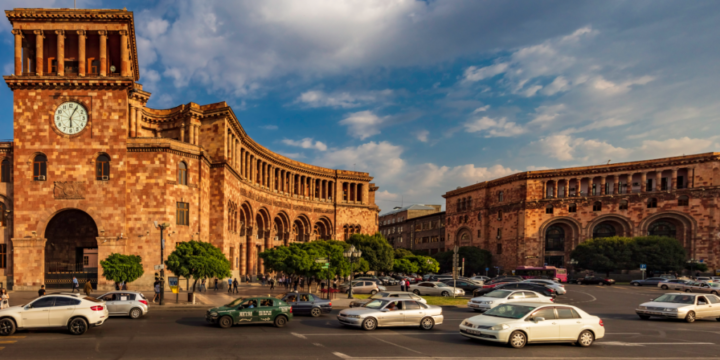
column 185, row 334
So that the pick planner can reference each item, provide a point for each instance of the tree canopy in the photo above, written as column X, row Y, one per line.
column 122, row 268
column 375, row 249
column 604, row 255
column 401, row 253
column 299, row 259
column 198, row 260
column 476, row 259
column 404, row 266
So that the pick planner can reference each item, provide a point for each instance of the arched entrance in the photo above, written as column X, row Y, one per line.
column 71, row 250
column 663, row 228
column 604, row 230
column 555, row 246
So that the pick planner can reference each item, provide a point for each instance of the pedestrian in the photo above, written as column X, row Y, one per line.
column 272, row 284
column 75, row 285
column 402, row 285
column 334, row 285
column 263, row 279
column 41, row 292
column 230, row 285
column 297, row 281
column 235, row 286
column 407, row 285
column 322, row 286
column 156, row 287
column 202, row 285
column 216, row 284
column 124, row 286
column 88, row 288
column 4, row 299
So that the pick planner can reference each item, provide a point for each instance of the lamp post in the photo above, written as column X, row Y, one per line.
column 162, row 227
column 692, row 263
column 572, row 264
column 352, row 254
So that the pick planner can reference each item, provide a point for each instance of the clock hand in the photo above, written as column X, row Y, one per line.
column 71, row 116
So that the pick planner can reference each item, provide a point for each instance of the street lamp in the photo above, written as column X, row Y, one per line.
column 572, row 264
column 691, row 262
column 352, row 254
column 162, row 227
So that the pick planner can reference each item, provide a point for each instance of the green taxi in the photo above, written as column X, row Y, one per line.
column 266, row 310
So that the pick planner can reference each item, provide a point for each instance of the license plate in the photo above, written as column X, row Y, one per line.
column 474, row 332
column 654, row 313
column 473, row 305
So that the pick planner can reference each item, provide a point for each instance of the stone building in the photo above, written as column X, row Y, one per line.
column 397, row 228
column 91, row 167
column 427, row 233
column 539, row 217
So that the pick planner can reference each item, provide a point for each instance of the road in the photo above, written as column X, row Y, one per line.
column 185, row 335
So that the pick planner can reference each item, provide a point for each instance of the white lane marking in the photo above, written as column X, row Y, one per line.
column 341, row 355
column 318, row 344
column 622, row 333
column 400, row 346
column 620, row 343
column 298, row 335
column 383, row 334
column 587, row 301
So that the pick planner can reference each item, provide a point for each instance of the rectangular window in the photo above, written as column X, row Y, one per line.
column 86, row 260
column 499, row 233
column 649, row 185
column 183, row 213
column 664, row 184
column 607, row 189
column 499, row 249
column 680, row 182
column 3, row 256
column 594, row 189
column 71, row 67
column 94, row 66
column 478, row 234
column 572, row 208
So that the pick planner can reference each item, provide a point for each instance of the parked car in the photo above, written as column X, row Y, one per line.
column 595, row 280
column 266, row 310
column 361, row 287
column 74, row 312
column 466, row 285
column 648, row 281
column 558, row 287
column 392, row 312
column 681, row 306
column 504, row 279
column 522, row 323
column 480, row 278
column 369, row 278
column 389, row 295
column 702, row 287
column 499, row 297
column 307, row 304
column 386, row 280
column 673, row 284
column 125, row 303
column 704, row 278
column 539, row 288
column 435, row 288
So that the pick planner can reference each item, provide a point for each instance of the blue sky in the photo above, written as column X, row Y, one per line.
column 431, row 95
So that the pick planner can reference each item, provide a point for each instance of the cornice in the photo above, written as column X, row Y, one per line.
column 56, row 82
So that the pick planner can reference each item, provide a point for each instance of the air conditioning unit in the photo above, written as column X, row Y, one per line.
column 41, row 178
column 106, row 178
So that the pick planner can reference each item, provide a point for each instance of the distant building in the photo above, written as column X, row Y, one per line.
column 399, row 224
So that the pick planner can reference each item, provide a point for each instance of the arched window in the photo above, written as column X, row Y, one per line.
column 182, row 173
column 6, row 170
column 499, row 214
column 662, row 228
column 604, row 230
column 597, row 206
column 555, row 239
column 572, row 208
column 465, row 237
column 500, row 196
column 479, row 216
column 549, row 209
column 682, row 200
column 2, row 215
column 466, row 219
column 102, row 168
column 40, row 168
column 652, row 203
column 469, row 203
column 623, row 204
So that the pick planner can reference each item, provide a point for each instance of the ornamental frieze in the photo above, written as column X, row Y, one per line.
column 264, row 200
column 323, row 211
column 302, row 208
column 69, row 190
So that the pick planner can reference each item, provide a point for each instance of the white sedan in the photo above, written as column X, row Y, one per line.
column 522, row 323
column 499, row 297
column 72, row 311
column 435, row 288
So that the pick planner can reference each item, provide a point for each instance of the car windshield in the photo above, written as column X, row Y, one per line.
column 235, row 303
column 509, row 311
column 676, row 298
column 714, row 285
column 380, row 295
column 498, row 294
column 376, row 304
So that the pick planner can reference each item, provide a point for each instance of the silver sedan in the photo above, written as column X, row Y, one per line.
column 125, row 303
column 387, row 312
column 681, row 306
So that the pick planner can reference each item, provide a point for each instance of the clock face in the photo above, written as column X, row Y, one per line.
column 71, row 118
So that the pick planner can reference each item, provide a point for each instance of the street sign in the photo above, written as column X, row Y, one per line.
column 321, row 260
column 326, row 266
column 159, row 267
column 702, row 260
column 173, row 282
column 643, row 267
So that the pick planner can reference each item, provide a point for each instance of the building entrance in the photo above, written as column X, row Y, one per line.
column 71, row 250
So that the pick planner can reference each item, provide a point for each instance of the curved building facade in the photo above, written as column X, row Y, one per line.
column 91, row 167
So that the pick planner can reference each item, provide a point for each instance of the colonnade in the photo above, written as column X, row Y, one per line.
column 635, row 182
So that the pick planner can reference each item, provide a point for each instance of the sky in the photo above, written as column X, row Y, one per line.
column 428, row 96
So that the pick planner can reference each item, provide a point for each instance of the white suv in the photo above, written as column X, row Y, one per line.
column 74, row 311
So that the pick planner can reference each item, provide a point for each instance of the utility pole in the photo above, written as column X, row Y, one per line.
column 162, row 228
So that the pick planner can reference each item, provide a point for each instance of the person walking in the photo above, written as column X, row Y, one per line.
column 156, row 287
column 402, row 285
column 202, row 285
column 272, row 284
column 75, row 285
column 235, row 286
column 41, row 292
column 297, row 281
column 88, row 288
column 407, row 285
column 216, row 284
column 4, row 299
column 230, row 284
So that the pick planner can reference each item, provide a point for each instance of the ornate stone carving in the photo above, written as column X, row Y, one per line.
column 69, row 189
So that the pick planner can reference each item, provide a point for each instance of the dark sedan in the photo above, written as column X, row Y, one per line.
column 386, row 280
column 307, row 304
column 466, row 285
column 542, row 289
column 653, row 281
column 595, row 280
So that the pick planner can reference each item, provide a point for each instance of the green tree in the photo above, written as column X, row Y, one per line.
column 122, row 268
column 404, row 266
column 198, row 260
column 694, row 267
column 401, row 253
column 660, row 254
column 476, row 259
column 604, row 255
column 425, row 264
column 375, row 249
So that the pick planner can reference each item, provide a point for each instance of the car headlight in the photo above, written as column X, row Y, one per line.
column 213, row 314
column 353, row 316
column 643, row 308
column 487, row 302
column 670, row 310
column 467, row 323
column 500, row 327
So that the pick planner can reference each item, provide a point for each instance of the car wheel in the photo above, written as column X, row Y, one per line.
column 280, row 321
column 714, row 292
column 416, row 292
column 427, row 323
column 690, row 317
column 369, row 324
column 225, row 322
column 373, row 292
column 718, row 319
column 518, row 339
column 586, row 338
column 635, row 284
column 687, row 290
column 602, row 284
column 579, row 282
column 664, row 287
column 135, row 313
column 445, row 294
column 7, row 327
column 78, row 326
column 643, row 317
column 315, row 312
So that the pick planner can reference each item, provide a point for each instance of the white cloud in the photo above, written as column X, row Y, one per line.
column 422, row 135
column 494, row 128
column 546, row 114
column 481, row 109
column 473, row 73
column 363, row 124
column 306, row 143
column 559, row 84
column 269, row 127
column 611, row 88
column 317, row 98
column 381, row 159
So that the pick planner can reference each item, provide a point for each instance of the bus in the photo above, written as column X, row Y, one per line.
column 542, row 272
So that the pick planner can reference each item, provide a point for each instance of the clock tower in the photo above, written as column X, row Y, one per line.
column 74, row 102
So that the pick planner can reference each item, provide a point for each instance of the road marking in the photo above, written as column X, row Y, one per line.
column 341, row 355
column 8, row 342
column 400, row 346
column 298, row 335
column 318, row 344
column 620, row 343
column 13, row 337
column 622, row 333
column 303, row 336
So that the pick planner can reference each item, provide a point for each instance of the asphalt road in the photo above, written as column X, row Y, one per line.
column 185, row 335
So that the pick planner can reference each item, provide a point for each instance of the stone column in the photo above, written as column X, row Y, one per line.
column 182, row 132
column 131, row 126
column 674, row 179
column 643, row 182
column 81, row 52
column 60, row 52
column 602, row 186
column 38, row 52
column 18, row 51
column 566, row 191
column 124, row 54
column 658, row 181
column 544, row 194
column 555, row 190
column 616, row 185
column 197, row 134
column 103, row 52
column 138, row 118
